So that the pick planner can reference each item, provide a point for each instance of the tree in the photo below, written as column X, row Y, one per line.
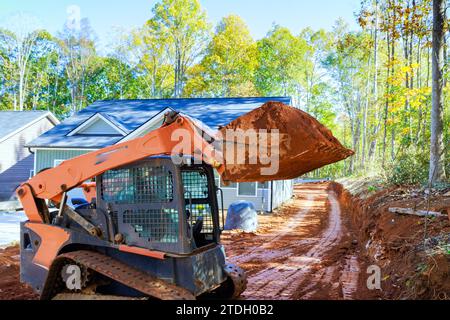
column 78, row 47
column 437, row 158
column 183, row 23
column 313, row 85
column 149, row 50
column 19, row 43
column 281, row 59
column 229, row 64
column 348, row 65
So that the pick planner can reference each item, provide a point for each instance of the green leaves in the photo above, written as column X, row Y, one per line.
column 282, row 57
column 229, row 63
column 183, row 24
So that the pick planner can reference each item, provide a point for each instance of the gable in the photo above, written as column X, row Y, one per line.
column 154, row 123
column 98, row 125
column 14, row 122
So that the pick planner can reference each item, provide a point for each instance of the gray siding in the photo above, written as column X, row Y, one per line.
column 99, row 127
column 261, row 201
column 13, row 149
column 282, row 191
column 13, row 177
column 46, row 158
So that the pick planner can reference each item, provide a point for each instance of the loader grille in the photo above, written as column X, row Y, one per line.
column 196, row 193
column 138, row 185
column 195, row 184
column 202, row 211
column 154, row 225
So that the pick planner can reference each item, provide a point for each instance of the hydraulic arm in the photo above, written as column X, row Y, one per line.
column 51, row 184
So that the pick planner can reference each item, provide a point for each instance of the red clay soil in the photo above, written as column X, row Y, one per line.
column 413, row 252
column 321, row 245
column 305, row 144
column 10, row 286
column 305, row 251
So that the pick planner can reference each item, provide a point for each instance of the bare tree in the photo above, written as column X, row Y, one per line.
column 437, row 158
column 78, row 46
column 20, row 40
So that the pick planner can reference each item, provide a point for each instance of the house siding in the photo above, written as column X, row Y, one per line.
column 282, row 192
column 157, row 125
column 12, row 178
column 45, row 159
column 99, row 127
column 13, row 149
column 261, row 201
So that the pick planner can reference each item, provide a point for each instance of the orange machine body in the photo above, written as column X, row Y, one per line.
column 53, row 183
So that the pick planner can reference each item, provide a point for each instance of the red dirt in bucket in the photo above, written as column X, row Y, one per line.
column 305, row 144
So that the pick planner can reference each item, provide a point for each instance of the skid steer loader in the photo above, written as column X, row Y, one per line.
column 149, row 227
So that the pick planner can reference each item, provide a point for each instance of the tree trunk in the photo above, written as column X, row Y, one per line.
column 437, row 155
column 386, row 106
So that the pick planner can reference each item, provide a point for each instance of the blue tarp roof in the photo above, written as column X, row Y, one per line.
column 132, row 114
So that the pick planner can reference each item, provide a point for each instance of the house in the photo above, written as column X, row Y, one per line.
column 16, row 130
column 106, row 123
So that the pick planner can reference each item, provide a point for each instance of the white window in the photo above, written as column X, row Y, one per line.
column 57, row 162
column 248, row 189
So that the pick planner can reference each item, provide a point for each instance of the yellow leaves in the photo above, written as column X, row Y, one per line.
column 406, row 69
column 405, row 131
column 396, row 80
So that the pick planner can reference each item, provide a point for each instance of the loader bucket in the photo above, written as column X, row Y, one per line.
column 288, row 144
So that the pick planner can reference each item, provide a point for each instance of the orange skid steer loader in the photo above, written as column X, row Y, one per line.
column 150, row 226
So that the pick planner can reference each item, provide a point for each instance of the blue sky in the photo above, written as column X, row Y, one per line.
column 104, row 15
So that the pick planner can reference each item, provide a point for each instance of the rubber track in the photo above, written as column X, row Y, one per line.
column 128, row 275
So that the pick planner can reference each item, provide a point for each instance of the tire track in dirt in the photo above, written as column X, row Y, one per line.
column 301, row 262
column 280, row 281
column 265, row 251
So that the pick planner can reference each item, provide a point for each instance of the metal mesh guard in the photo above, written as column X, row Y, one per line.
column 154, row 225
column 202, row 211
column 196, row 188
column 139, row 185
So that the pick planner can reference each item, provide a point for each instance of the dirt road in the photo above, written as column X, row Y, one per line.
column 304, row 252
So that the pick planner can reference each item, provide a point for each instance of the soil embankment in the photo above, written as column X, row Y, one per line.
column 412, row 252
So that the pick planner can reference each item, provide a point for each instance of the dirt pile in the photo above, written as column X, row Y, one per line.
column 412, row 252
column 10, row 286
column 304, row 144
